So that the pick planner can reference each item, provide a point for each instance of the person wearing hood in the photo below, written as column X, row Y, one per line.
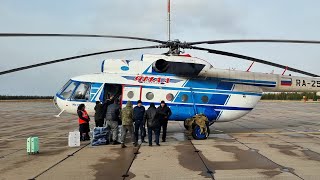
column 153, row 123
column 127, row 124
column 164, row 113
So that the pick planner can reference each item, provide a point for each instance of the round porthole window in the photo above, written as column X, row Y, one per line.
column 149, row 95
column 169, row 97
column 184, row 98
column 130, row 94
column 205, row 99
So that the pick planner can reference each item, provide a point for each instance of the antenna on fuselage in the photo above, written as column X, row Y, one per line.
column 169, row 21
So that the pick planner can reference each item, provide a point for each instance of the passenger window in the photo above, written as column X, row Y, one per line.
column 169, row 97
column 149, row 95
column 205, row 99
column 130, row 94
column 68, row 91
column 82, row 92
column 184, row 98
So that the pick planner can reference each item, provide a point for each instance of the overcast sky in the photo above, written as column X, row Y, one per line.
column 192, row 20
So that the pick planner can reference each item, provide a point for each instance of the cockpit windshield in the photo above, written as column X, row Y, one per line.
column 75, row 90
column 67, row 92
column 82, row 92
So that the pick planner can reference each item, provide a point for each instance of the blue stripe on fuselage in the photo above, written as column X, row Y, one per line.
column 182, row 111
column 190, row 104
column 196, row 90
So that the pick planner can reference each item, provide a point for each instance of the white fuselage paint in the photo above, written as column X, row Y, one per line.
column 242, row 97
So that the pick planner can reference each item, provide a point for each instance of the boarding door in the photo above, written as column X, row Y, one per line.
column 131, row 93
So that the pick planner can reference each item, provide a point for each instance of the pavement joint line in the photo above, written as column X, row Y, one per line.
column 198, row 153
column 60, row 161
column 283, row 167
column 134, row 157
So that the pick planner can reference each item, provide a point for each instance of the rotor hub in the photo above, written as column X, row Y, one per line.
column 175, row 46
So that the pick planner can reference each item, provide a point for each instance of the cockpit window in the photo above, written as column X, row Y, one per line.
column 82, row 92
column 67, row 92
column 64, row 87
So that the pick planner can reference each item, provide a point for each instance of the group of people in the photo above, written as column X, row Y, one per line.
column 137, row 118
column 133, row 121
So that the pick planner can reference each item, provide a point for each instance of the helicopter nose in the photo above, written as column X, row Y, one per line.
column 55, row 103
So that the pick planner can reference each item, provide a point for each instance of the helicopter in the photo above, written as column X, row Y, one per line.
column 189, row 85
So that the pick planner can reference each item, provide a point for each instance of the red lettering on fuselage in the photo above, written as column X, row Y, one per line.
column 138, row 78
column 151, row 79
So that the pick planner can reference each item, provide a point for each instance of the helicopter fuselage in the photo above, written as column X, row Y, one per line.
column 188, row 85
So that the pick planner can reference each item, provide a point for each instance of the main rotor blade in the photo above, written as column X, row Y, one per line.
column 71, row 58
column 254, row 41
column 224, row 53
column 78, row 35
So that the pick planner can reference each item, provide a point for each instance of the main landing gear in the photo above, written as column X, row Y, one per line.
column 198, row 126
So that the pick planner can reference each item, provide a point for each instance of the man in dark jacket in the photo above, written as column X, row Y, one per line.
column 138, row 113
column 112, row 118
column 98, row 116
column 164, row 113
column 107, row 102
column 153, row 123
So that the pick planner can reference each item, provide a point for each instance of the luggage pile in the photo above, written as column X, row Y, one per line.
column 100, row 136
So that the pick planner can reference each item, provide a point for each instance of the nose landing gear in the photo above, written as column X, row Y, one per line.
column 198, row 126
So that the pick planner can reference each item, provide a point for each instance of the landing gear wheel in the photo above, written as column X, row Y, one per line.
column 196, row 132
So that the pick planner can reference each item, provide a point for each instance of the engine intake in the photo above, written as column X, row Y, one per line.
column 177, row 68
column 161, row 65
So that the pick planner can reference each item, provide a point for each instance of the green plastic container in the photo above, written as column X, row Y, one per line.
column 33, row 145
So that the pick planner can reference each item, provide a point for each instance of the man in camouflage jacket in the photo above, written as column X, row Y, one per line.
column 127, row 124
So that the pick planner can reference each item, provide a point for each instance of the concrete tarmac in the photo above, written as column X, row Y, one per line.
column 277, row 140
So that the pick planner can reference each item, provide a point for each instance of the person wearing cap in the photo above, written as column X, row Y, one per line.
column 138, row 113
column 164, row 113
column 127, row 124
column 153, row 123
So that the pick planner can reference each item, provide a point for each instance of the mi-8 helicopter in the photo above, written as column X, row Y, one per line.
column 189, row 85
